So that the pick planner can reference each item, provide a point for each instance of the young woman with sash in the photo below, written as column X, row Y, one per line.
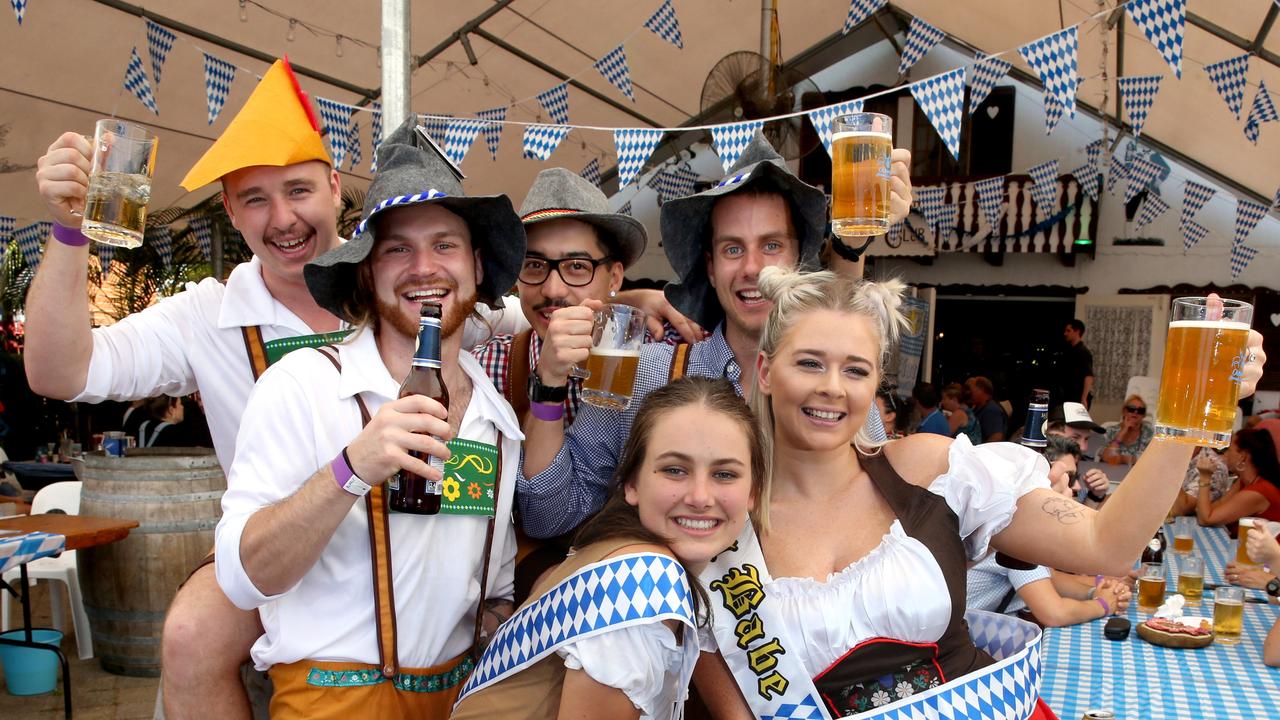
column 612, row 631
column 846, row 594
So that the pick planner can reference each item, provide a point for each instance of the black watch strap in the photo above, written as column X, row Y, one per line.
column 848, row 253
column 1273, row 587
column 540, row 393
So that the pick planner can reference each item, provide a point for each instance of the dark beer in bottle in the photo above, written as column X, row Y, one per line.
column 410, row 492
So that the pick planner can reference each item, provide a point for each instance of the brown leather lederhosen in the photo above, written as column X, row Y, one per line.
column 926, row 517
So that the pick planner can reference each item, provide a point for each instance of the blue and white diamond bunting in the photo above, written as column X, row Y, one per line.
column 493, row 129
column 1138, row 93
column 7, row 224
column 355, row 155
column 1093, row 154
column 202, row 227
column 105, row 254
column 991, row 199
column 458, row 138
column 1089, row 178
column 1163, row 22
column 941, row 97
column 1263, row 110
column 634, row 146
column 626, row 210
column 1115, row 174
column 159, row 42
column 1241, row 256
column 30, row 239
column 1229, row 77
column 1142, row 173
column 1275, row 204
column 823, row 117
column 664, row 24
column 1053, row 57
column 376, row 135
column 1152, row 208
column 542, row 140
column 731, row 139
column 555, row 101
column 860, row 10
column 673, row 183
column 218, row 76
column 614, row 69
column 897, row 232
column 160, row 239
column 1248, row 213
column 921, row 37
column 19, row 9
column 336, row 118
column 591, row 173
column 1194, row 196
column 1192, row 233
column 983, row 76
column 136, row 82
column 1044, row 187
column 436, row 126
column 930, row 202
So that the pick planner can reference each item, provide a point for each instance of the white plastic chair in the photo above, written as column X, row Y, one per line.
column 63, row 496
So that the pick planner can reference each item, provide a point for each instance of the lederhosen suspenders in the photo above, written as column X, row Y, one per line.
column 257, row 349
column 516, row 390
column 679, row 362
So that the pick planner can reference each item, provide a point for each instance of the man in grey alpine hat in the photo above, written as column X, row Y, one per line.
column 717, row 241
column 344, row 589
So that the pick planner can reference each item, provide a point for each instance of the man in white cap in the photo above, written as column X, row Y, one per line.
column 1072, row 420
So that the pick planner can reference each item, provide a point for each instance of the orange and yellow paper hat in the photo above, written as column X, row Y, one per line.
column 275, row 127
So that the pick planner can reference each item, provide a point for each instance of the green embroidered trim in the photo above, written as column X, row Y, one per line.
column 277, row 349
column 404, row 681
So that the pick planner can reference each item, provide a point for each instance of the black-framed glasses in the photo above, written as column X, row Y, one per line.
column 1135, row 409
column 574, row 271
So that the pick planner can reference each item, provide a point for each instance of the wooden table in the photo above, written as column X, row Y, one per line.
column 80, row 531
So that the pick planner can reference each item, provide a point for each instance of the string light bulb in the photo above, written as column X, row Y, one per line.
column 293, row 34
column 339, row 47
column 244, row 11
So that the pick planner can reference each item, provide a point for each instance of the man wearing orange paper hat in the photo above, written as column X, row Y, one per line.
column 281, row 192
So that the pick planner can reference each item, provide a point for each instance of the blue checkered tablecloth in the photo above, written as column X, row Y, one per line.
column 18, row 549
column 1082, row 670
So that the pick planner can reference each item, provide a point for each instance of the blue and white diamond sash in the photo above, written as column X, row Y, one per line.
column 619, row 592
column 752, row 641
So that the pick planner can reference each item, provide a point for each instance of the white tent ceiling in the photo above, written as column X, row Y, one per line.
column 64, row 66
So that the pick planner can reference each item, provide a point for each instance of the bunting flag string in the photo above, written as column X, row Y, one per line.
column 991, row 199
column 921, row 37
column 1093, row 154
column 1142, row 173
column 614, row 69
column 673, row 183
column 376, row 140
column 822, row 118
column 203, row 228
column 105, row 254
column 160, row 238
column 353, row 145
column 665, row 25
column 436, row 126
column 633, row 146
column 626, row 210
column 135, row 81
column 1053, row 57
column 7, row 223
column 1089, row 178
column 542, row 140
column 1192, row 233
column 1163, row 22
column 1263, row 110
column 592, row 172
column 218, row 76
column 458, row 138
column 493, row 129
column 1229, row 78
column 1241, row 256
column 336, row 118
column 983, row 77
column 1044, row 187
column 1152, row 208
column 730, row 140
column 1248, row 213
column 894, row 237
column 29, row 240
column 860, row 10
column 1116, row 173
column 555, row 101
column 19, row 9
column 1194, row 196
column 160, row 41
column 1138, row 93
column 941, row 98
column 930, row 203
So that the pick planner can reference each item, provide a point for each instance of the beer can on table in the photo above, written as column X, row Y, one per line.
column 1098, row 715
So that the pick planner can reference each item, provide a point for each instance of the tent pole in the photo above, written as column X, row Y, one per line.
column 395, row 64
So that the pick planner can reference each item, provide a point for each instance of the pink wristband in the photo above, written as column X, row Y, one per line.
column 69, row 236
column 546, row 411
column 1106, row 609
column 341, row 467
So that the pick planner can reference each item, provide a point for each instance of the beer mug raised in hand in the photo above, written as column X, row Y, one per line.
column 115, row 206
column 610, row 373
column 1204, row 359
column 861, row 149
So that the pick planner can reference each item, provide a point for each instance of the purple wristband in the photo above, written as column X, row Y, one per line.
column 341, row 467
column 547, row 412
column 69, row 236
column 1106, row 609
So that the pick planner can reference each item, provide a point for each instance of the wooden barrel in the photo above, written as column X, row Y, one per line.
column 175, row 494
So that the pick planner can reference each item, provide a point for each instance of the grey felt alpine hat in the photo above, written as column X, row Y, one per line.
column 412, row 170
column 558, row 193
column 686, row 226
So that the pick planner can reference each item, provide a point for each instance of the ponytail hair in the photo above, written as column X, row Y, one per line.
column 794, row 294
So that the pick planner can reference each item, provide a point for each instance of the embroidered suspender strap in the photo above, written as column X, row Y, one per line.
column 256, row 348
column 518, row 374
column 488, row 550
column 679, row 362
column 375, row 503
column 617, row 592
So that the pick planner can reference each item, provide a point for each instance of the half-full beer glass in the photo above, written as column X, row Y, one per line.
column 1228, row 615
column 115, row 206
column 861, row 148
column 1151, row 586
column 1204, row 359
column 610, row 374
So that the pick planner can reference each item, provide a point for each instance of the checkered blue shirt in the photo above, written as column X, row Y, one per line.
column 577, row 482
column 988, row 582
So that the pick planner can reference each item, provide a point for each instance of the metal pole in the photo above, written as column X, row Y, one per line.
column 766, row 44
column 395, row 64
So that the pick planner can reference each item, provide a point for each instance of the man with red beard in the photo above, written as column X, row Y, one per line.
column 367, row 614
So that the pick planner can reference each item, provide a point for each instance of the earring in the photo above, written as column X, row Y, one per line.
column 613, row 293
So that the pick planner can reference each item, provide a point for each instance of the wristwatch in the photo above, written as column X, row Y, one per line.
column 540, row 393
column 1273, row 588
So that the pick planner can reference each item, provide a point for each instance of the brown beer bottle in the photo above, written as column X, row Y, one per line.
column 410, row 492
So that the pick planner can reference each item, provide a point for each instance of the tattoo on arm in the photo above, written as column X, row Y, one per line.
column 1063, row 510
